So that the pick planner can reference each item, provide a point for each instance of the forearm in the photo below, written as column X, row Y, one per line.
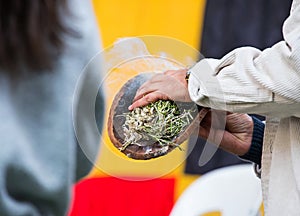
column 248, row 80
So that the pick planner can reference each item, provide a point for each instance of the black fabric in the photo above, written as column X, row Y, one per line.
column 229, row 24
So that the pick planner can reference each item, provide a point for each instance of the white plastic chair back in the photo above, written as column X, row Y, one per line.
column 233, row 190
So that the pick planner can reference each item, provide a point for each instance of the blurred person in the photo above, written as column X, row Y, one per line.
column 44, row 46
column 249, row 81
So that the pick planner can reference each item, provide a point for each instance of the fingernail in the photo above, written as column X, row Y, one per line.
column 130, row 107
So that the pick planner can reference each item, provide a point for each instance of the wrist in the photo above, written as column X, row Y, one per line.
column 255, row 151
column 187, row 75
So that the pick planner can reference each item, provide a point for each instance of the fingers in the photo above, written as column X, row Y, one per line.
column 234, row 135
column 169, row 85
column 175, row 72
column 149, row 98
column 212, row 135
column 203, row 132
column 148, row 87
column 231, row 143
column 171, row 72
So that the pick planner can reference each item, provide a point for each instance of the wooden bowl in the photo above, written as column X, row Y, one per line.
column 145, row 150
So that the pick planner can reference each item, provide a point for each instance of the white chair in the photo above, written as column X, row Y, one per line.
column 233, row 190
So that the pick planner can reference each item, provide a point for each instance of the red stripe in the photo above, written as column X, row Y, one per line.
column 109, row 196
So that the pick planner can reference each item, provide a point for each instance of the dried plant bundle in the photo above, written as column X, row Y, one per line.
column 160, row 122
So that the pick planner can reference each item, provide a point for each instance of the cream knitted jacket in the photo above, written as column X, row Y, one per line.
column 264, row 82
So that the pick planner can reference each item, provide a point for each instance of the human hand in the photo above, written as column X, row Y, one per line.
column 233, row 131
column 170, row 85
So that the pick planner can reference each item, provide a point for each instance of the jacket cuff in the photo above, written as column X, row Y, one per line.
column 255, row 152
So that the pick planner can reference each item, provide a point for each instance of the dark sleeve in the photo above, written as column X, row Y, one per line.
column 255, row 151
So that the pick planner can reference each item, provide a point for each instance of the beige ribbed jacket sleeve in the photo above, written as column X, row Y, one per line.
column 252, row 81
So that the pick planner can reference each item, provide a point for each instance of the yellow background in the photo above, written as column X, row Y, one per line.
column 181, row 20
column 177, row 19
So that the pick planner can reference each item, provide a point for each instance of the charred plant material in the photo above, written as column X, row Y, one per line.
column 160, row 122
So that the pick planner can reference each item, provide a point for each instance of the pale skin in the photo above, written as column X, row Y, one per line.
column 235, row 130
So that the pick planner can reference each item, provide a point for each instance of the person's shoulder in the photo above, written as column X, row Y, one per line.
column 295, row 4
column 86, row 42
